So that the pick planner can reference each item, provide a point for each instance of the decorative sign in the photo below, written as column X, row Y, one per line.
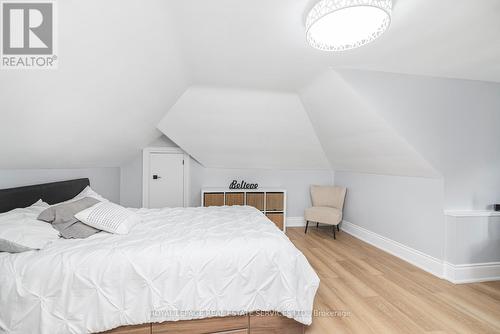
column 243, row 185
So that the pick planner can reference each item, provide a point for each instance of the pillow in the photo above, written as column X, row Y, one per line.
column 20, row 231
column 62, row 218
column 88, row 192
column 31, row 211
column 38, row 206
column 109, row 217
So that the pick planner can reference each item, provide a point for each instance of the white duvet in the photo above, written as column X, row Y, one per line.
column 181, row 263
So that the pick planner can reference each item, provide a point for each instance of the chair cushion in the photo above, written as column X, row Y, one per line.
column 324, row 215
column 330, row 196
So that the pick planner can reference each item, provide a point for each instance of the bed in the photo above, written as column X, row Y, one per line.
column 182, row 270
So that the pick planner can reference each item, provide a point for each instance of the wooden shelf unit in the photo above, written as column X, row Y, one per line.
column 272, row 202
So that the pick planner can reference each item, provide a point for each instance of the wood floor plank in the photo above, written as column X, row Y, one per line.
column 359, row 306
column 481, row 309
column 393, row 315
column 365, row 290
column 487, row 289
column 415, row 308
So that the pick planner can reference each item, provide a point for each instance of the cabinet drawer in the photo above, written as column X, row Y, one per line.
column 275, row 201
column 256, row 200
column 274, row 325
column 276, row 218
column 203, row 326
column 137, row 329
column 235, row 198
column 213, row 199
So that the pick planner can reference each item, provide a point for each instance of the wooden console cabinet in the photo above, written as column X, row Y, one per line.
column 272, row 202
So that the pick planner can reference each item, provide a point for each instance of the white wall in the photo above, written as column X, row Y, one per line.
column 296, row 182
column 408, row 210
column 404, row 216
column 105, row 181
column 131, row 183
column 472, row 239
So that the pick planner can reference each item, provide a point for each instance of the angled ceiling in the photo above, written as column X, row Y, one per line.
column 327, row 126
column 225, row 127
column 120, row 69
column 454, row 124
column 354, row 136
column 262, row 44
column 124, row 64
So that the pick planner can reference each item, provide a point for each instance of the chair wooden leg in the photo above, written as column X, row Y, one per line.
column 307, row 224
column 317, row 225
column 338, row 228
column 334, row 233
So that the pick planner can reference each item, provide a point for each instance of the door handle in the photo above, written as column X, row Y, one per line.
column 156, row 177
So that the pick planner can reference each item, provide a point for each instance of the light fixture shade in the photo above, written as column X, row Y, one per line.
column 339, row 25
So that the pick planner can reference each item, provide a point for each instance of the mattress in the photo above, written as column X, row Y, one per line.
column 178, row 264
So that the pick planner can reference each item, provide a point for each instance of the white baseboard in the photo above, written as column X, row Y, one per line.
column 471, row 273
column 295, row 222
column 462, row 273
column 413, row 256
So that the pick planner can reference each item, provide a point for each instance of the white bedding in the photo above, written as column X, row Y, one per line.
column 181, row 263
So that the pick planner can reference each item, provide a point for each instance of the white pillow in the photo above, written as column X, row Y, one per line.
column 36, row 206
column 21, row 231
column 109, row 217
column 87, row 192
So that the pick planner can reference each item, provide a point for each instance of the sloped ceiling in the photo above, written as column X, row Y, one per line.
column 454, row 124
column 124, row 64
column 354, row 136
column 234, row 128
column 120, row 69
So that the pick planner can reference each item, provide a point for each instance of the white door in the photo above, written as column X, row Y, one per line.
column 166, row 180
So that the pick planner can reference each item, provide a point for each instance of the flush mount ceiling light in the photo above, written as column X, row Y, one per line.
column 338, row 25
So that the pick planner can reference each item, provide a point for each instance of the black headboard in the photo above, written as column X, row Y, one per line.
column 51, row 193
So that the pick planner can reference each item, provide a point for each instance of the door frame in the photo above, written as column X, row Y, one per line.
column 146, row 152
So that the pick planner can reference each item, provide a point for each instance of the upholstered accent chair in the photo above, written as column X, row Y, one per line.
column 328, row 203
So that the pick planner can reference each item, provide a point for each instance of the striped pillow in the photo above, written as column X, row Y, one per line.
column 109, row 217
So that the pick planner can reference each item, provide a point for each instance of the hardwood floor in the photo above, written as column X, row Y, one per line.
column 375, row 292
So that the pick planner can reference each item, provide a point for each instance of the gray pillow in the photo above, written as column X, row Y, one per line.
column 62, row 218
